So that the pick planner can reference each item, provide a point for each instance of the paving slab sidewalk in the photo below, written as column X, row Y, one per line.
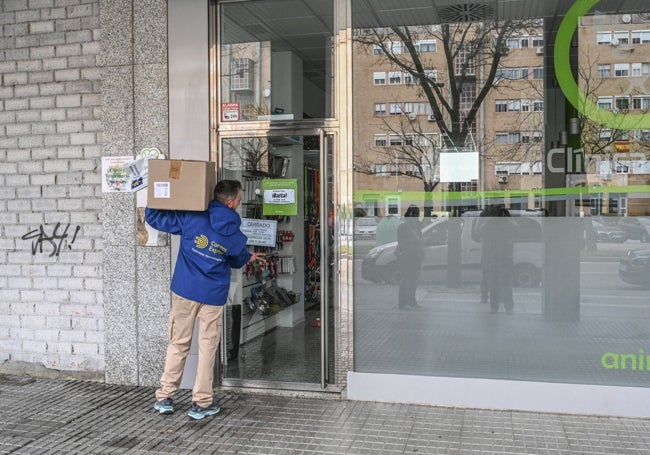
column 56, row 416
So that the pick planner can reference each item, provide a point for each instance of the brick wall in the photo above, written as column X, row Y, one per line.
column 51, row 248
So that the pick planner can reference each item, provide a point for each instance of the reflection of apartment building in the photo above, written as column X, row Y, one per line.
column 507, row 131
column 394, row 115
column 513, row 116
column 614, row 68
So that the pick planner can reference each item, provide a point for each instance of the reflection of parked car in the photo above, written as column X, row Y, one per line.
column 607, row 232
column 381, row 263
column 635, row 228
column 634, row 267
column 365, row 227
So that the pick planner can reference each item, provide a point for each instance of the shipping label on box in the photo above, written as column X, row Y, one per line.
column 180, row 184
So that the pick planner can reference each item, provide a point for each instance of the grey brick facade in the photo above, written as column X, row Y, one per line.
column 79, row 80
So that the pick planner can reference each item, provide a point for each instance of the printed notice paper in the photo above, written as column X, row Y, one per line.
column 280, row 197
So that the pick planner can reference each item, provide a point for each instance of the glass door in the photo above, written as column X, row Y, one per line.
column 277, row 325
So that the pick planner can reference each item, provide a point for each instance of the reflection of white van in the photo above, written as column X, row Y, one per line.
column 381, row 264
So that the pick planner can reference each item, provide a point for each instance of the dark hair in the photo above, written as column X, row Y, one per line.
column 495, row 210
column 412, row 211
column 227, row 190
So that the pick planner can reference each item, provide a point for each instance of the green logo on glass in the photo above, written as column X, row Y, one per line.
column 568, row 84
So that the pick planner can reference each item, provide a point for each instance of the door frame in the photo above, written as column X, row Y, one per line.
column 327, row 336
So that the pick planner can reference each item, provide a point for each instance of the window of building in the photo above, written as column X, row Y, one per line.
column 514, row 105
column 395, row 108
column 604, row 70
column 509, row 168
column 622, row 103
column 426, row 140
column 605, row 102
column 502, row 106
column 508, row 137
column 641, row 37
column 379, row 78
column 464, row 62
column 537, row 136
column 380, row 109
column 604, row 37
column 242, row 75
column 538, row 72
column 622, row 167
column 538, row 105
column 467, row 97
column 421, row 108
column 538, row 40
column 377, row 50
column 622, row 37
column 380, row 140
column 395, row 77
column 395, row 140
column 640, row 69
column 426, row 45
column 526, row 137
column 525, row 105
column 621, row 69
column 408, row 78
column 641, row 102
column 432, row 75
column 408, row 108
column 517, row 42
column 640, row 167
column 605, row 134
column 511, row 74
column 395, row 47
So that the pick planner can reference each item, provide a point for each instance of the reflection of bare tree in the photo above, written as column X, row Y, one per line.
column 454, row 91
column 525, row 120
column 411, row 152
column 249, row 153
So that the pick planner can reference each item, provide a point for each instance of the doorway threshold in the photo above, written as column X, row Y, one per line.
column 295, row 389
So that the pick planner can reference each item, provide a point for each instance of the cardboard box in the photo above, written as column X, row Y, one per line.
column 180, row 184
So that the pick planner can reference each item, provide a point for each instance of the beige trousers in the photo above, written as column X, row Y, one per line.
column 181, row 327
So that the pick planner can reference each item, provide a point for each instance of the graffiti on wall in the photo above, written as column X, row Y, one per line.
column 44, row 241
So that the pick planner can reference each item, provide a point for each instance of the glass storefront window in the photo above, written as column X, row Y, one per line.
column 512, row 244
column 275, row 67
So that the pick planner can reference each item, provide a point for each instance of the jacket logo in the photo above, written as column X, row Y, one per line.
column 201, row 241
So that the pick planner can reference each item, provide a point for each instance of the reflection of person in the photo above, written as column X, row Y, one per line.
column 497, row 257
column 410, row 254
column 211, row 243
column 387, row 230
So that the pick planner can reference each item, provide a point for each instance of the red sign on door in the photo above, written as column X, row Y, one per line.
column 229, row 112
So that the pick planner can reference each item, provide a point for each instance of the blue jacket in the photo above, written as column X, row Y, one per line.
column 211, row 243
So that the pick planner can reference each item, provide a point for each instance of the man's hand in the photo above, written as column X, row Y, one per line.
column 257, row 257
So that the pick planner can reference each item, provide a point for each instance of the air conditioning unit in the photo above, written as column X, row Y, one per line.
column 503, row 179
column 431, row 118
column 626, row 18
column 411, row 116
column 539, row 51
